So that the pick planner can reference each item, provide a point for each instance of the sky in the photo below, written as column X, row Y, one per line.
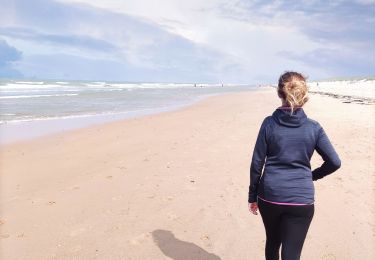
column 210, row 41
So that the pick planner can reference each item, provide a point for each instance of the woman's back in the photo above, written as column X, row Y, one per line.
column 290, row 143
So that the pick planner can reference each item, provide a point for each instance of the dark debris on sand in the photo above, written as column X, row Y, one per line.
column 347, row 99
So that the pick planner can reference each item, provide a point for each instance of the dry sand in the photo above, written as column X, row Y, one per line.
column 174, row 186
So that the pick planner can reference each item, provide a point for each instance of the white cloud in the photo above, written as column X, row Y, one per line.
column 366, row 2
column 238, row 40
column 248, row 42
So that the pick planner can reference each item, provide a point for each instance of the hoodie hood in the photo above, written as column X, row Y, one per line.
column 283, row 117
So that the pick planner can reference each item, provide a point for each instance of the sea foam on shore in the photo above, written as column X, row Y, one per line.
column 35, row 108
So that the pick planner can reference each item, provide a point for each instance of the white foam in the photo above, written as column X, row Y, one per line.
column 30, row 82
column 62, row 82
column 35, row 96
column 28, row 86
column 38, row 90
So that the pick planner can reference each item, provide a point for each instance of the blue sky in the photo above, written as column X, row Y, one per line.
column 238, row 41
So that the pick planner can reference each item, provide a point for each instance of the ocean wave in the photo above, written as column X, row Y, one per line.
column 62, row 82
column 22, row 119
column 102, row 115
column 100, row 85
column 30, row 82
column 20, row 91
column 7, row 114
column 160, row 85
column 36, row 96
column 28, row 86
column 95, row 84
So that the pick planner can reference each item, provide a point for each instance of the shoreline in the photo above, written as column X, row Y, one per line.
column 158, row 185
column 14, row 132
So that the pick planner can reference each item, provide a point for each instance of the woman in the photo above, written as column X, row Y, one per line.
column 284, row 192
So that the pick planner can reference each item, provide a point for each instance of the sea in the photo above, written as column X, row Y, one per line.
column 32, row 108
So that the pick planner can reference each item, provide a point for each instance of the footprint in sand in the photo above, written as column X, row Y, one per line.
column 167, row 198
column 75, row 249
column 3, row 236
column 138, row 240
column 205, row 237
column 339, row 179
column 117, row 198
column 77, row 232
column 328, row 257
column 172, row 216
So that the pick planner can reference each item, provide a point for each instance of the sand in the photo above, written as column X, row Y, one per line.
column 174, row 186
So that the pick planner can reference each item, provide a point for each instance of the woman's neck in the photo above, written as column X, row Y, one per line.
column 284, row 104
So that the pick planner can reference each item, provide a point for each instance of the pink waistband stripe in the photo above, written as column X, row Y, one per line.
column 285, row 203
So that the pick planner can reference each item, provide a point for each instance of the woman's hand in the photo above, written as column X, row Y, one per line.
column 253, row 207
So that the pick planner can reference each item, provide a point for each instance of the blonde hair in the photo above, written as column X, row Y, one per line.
column 293, row 89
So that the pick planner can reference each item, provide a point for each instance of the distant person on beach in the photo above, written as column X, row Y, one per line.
column 284, row 191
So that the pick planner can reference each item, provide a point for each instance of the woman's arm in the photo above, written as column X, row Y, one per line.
column 257, row 162
column 332, row 161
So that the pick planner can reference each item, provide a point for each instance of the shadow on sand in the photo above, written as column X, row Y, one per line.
column 178, row 249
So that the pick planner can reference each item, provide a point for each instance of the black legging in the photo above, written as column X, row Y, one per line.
column 287, row 226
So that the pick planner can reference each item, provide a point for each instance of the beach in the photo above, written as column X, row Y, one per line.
column 174, row 185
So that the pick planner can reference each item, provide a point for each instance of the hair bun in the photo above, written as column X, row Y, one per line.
column 293, row 89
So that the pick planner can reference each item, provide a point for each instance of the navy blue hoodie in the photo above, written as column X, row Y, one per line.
column 284, row 146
